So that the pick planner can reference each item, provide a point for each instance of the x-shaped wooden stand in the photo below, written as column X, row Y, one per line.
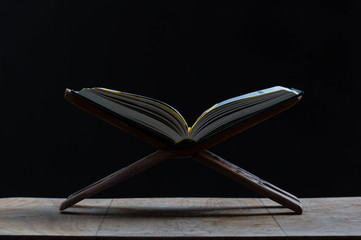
column 199, row 152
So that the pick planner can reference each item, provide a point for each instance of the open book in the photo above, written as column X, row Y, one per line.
column 164, row 128
column 163, row 121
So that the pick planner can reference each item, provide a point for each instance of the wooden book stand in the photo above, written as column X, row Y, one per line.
column 199, row 152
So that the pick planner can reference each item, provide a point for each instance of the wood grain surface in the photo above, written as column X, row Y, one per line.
column 180, row 217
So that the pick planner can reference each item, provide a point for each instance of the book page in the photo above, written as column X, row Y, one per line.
column 168, row 109
column 243, row 97
column 231, row 111
column 146, row 115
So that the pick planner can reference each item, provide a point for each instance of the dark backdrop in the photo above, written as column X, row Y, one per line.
column 191, row 55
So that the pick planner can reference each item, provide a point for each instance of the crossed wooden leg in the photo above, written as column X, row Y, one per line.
column 249, row 180
column 205, row 157
column 117, row 177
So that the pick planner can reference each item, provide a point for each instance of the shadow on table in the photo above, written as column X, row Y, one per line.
column 181, row 211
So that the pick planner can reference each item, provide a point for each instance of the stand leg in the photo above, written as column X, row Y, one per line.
column 117, row 177
column 249, row 180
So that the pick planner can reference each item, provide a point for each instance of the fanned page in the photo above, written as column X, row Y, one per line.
column 165, row 120
column 143, row 111
column 232, row 111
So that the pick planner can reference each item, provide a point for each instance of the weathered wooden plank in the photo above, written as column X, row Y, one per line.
column 41, row 217
column 191, row 217
column 323, row 217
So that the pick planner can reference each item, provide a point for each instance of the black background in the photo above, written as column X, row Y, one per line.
column 191, row 55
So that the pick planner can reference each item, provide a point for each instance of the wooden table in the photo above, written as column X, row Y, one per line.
column 179, row 217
